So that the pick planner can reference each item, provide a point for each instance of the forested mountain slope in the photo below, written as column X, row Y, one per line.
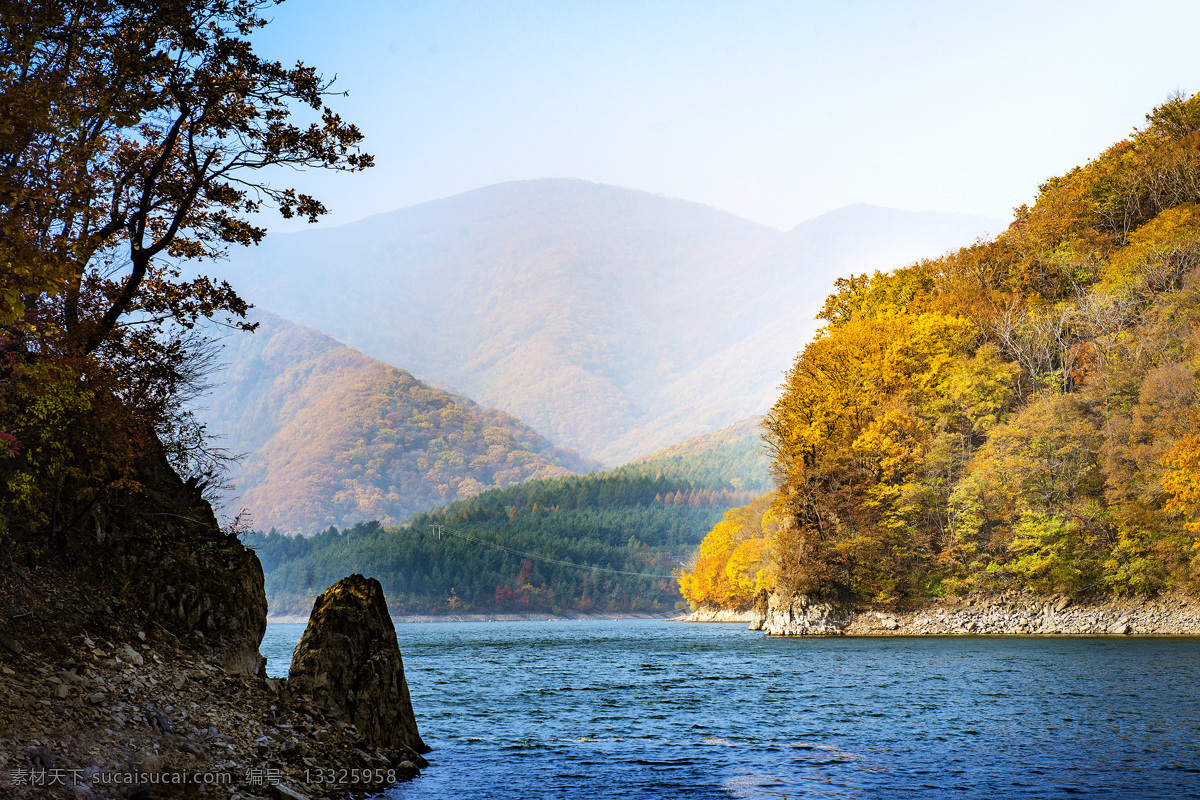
column 334, row 437
column 614, row 321
column 1024, row 412
column 603, row 542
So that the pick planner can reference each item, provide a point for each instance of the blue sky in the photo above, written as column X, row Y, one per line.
column 777, row 112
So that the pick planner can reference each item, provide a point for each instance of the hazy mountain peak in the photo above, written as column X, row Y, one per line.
column 613, row 320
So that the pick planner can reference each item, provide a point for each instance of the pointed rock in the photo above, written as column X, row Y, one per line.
column 349, row 661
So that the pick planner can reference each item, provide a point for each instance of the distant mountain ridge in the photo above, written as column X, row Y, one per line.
column 733, row 457
column 614, row 321
column 334, row 437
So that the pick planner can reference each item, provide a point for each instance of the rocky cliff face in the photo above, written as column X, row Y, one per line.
column 348, row 661
column 799, row 615
column 758, row 613
column 141, row 661
column 198, row 582
column 126, row 699
column 129, row 660
column 215, row 596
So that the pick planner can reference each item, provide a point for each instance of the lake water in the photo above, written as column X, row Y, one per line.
column 654, row 709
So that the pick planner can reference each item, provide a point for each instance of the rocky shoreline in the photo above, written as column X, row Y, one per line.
column 716, row 614
column 1005, row 614
column 158, row 693
column 148, row 719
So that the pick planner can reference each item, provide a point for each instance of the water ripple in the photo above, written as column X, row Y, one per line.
column 648, row 709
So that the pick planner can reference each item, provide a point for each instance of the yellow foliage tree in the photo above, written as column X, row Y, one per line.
column 1021, row 411
column 732, row 564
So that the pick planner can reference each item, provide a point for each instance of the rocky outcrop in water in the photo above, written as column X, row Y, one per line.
column 147, row 707
column 799, row 615
column 348, row 661
column 758, row 614
column 129, row 648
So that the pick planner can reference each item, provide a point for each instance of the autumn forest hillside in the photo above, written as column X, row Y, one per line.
column 333, row 437
column 1022, row 412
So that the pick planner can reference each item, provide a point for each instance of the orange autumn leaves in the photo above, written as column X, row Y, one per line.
column 1182, row 481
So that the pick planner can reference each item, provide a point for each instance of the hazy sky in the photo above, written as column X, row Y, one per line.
column 777, row 112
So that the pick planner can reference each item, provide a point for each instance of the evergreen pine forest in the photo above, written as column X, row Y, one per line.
column 607, row 542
